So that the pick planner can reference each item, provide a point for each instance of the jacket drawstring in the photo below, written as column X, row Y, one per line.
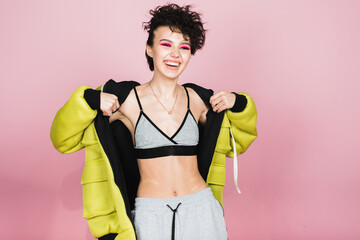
column 235, row 163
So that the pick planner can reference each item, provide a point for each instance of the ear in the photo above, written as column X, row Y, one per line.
column 149, row 51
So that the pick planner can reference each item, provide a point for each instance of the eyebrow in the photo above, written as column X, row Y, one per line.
column 183, row 42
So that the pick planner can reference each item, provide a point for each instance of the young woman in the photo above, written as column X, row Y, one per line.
column 155, row 152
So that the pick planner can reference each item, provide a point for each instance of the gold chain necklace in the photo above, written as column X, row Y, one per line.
column 169, row 112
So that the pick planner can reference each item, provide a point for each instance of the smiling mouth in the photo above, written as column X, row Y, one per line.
column 172, row 64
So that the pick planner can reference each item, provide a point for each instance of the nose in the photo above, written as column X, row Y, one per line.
column 174, row 52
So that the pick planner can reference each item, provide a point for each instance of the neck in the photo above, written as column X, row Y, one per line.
column 164, row 87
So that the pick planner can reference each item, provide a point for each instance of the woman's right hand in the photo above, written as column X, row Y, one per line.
column 108, row 103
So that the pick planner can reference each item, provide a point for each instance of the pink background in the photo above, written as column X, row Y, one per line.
column 299, row 60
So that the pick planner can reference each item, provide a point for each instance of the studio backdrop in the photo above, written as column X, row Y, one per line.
column 299, row 60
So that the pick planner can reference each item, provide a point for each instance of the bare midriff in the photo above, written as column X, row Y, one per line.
column 171, row 176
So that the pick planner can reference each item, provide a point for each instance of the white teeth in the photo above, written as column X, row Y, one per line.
column 173, row 64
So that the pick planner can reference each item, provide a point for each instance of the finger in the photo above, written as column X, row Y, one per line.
column 107, row 111
column 115, row 110
column 112, row 107
column 218, row 94
column 215, row 96
column 218, row 106
column 217, row 100
column 222, row 108
column 116, row 105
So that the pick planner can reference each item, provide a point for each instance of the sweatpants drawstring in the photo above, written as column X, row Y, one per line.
column 173, row 221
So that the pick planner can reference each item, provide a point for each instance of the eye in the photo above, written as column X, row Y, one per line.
column 185, row 47
column 165, row 44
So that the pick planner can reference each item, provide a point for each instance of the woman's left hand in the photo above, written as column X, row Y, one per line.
column 222, row 101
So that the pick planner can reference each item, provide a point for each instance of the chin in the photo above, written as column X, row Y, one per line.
column 172, row 78
column 168, row 75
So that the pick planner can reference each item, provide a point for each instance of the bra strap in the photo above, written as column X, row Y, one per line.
column 188, row 99
column 137, row 98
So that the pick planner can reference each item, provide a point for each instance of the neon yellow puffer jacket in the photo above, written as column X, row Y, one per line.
column 103, row 205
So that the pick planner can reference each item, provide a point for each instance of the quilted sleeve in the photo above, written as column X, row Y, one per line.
column 243, row 126
column 70, row 121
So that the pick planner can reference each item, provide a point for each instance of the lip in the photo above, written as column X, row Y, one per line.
column 172, row 67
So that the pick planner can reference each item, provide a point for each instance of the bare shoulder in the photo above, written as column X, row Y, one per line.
column 130, row 107
column 197, row 106
column 127, row 111
column 129, row 101
column 196, row 100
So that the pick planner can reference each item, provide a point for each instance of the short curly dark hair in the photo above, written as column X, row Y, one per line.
column 178, row 19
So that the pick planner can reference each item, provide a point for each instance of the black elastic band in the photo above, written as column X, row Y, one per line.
column 240, row 103
column 173, row 221
column 188, row 99
column 92, row 97
column 166, row 151
column 137, row 98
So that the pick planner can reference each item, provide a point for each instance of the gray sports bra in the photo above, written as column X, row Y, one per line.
column 152, row 142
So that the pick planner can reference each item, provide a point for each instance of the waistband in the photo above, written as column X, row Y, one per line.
column 197, row 198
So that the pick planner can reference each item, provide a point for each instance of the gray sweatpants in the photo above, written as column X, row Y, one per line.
column 197, row 216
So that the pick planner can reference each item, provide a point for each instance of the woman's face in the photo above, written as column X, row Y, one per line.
column 170, row 52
